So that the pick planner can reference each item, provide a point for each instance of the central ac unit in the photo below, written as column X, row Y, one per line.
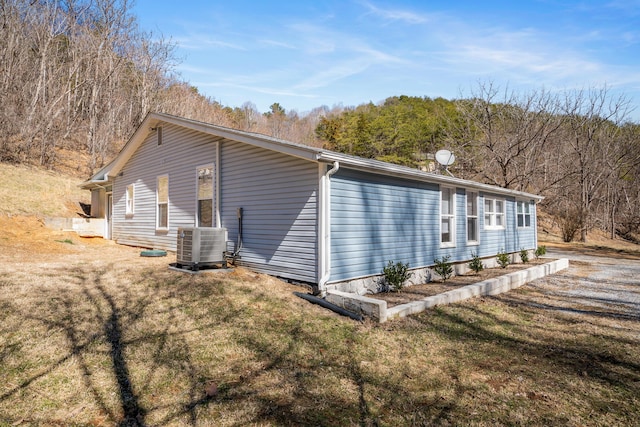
column 201, row 247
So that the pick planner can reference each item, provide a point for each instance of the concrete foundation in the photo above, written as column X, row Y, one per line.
column 85, row 227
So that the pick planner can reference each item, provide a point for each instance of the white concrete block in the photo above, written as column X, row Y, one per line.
column 377, row 309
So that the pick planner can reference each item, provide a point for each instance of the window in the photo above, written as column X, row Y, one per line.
column 205, row 197
column 159, row 134
column 524, row 214
column 493, row 213
column 472, row 217
column 129, row 200
column 447, row 216
column 162, row 196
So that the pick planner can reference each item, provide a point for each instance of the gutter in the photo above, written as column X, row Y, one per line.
column 383, row 168
column 88, row 185
column 325, row 226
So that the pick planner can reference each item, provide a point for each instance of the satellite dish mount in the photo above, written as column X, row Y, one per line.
column 445, row 158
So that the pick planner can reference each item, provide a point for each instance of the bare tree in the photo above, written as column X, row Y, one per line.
column 13, row 39
column 622, row 160
column 276, row 120
column 592, row 124
column 511, row 131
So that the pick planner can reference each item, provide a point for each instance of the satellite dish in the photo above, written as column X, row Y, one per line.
column 445, row 157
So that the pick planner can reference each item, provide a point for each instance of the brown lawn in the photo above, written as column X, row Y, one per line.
column 92, row 334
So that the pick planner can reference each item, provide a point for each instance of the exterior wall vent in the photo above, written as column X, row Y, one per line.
column 199, row 247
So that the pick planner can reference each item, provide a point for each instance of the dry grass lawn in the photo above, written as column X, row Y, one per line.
column 27, row 191
column 94, row 334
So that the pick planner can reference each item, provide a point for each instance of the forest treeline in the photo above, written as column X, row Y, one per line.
column 80, row 75
column 577, row 148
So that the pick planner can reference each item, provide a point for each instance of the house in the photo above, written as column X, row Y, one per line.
column 308, row 214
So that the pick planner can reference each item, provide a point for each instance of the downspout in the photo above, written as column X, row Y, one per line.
column 325, row 218
column 535, row 224
column 218, row 222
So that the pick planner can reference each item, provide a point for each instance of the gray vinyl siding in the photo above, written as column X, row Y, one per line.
column 182, row 150
column 278, row 194
column 376, row 219
column 373, row 218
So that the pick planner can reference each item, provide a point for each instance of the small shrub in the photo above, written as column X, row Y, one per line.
column 443, row 267
column 540, row 251
column 395, row 275
column 524, row 256
column 570, row 224
column 503, row 259
column 476, row 263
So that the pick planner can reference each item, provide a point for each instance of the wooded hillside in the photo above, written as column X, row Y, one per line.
column 576, row 148
column 79, row 76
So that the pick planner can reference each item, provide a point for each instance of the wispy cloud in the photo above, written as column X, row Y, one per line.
column 520, row 54
column 630, row 7
column 521, row 61
column 186, row 68
column 337, row 55
column 313, row 39
column 331, row 75
column 345, row 68
column 406, row 16
column 203, row 42
column 368, row 49
column 277, row 44
column 257, row 89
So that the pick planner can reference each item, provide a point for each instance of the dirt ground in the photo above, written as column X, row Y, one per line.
column 27, row 239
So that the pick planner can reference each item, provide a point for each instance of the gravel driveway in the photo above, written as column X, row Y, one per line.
column 602, row 286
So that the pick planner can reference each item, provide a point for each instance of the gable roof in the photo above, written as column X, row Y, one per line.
column 106, row 173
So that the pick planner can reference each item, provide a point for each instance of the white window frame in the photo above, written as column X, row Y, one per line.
column 213, row 215
column 129, row 197
column 159, row 202
column 473, row 216
column 523, row 214
column 450, row 217
column 492, row 217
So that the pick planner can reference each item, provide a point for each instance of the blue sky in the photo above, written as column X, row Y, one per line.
column 304, row 54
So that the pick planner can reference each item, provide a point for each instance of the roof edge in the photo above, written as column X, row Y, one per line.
column 103, row 176
column 377, row 166
column 153, row 119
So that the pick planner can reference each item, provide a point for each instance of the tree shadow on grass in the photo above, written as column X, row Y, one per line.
column 306, row 377
column 572, row 359
column 286, row 388
column 103, row 322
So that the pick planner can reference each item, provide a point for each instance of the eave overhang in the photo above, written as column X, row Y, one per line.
column 390, row 169
column 105, row 175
